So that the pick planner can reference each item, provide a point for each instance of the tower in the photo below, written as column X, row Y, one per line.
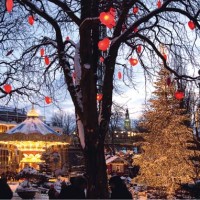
column 127, row 121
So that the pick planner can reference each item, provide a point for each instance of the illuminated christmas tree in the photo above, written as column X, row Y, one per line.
column 165, row 160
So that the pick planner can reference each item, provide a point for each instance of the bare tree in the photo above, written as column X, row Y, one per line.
column 65, row 121
column 72, row 63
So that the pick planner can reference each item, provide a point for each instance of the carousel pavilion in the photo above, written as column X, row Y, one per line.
column 26, row 142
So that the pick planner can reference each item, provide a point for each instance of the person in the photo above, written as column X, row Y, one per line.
column 75, row 190
column 52, row 193
column 5, row 191
column 119, row 189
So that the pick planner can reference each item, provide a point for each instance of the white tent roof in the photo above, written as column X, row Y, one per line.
column 32, row 125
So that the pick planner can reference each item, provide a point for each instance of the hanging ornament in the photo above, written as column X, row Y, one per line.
column 46, row 59
column 135, row 29
column 133, row 61
column 48, row 100
column 67, row 38
column 7, row 88
column 139, row 49
column 99, row 96
column 191, row 25
column 31, row 20
column 119, row 75
column 9, row 5
column 42, row 52
column 159, row 4
column 107, row 18
column 104, row 44
column 101, row 59
column 179, row 94
column 168, row 81
column 135, row 10
column 165, row 56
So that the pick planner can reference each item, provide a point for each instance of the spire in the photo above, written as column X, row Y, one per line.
column 127, row 121
column 32, row 112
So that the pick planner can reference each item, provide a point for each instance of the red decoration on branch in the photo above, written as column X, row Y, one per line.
column 48, row 100
column 119, row 75
column 159, row 4
column 67, row 38
column 179, row 94
column 7, row 88
column 42, row 52
column 165, row 56
column 135, row 10
column 9, row 5
column 99, row 96
column 101, row 59
column 46, row 59
column 31, row 20
column 135, row 29
column 191, row 25
column 139, row 48
column 104, row 44
column 133, row 61
column 107, row 18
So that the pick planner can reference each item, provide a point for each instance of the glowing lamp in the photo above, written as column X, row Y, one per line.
column 101, row 59
column 133, row 61
column 31, row 20
column 7, row 88
column 48, row 100
column 9, row 5
column 42, row 52
column 99, row 96
column 112, row 11
column 191, row 25
column 139, row 49
column 179, row 95
column 119, row 75
column 104, row 44
column 46, row 60
column 135, row 10
column 159, row 4
column 106, row 18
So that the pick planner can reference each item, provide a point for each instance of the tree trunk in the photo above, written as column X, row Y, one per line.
column 96, row 171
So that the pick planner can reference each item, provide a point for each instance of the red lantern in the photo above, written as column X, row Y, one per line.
column 112, row 11
column 99, row 96
column 179, row 95
column 101, row 59
column 7, row 88
column 135, row 10
column 104, row 44
column 9, row 5
column 46, row 59
column 139, row 48
column 42, row 52
column 48, row 100
column 107, row 18
column 159, row 4
column 168, row 81
column 133, row 61
column 135, row 30
column 191, row 25
column 119, row 75
column 31, row 20
column 165, row 56
column 67, row 38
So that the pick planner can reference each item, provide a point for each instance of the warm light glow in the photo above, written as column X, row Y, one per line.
column 133, row 61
